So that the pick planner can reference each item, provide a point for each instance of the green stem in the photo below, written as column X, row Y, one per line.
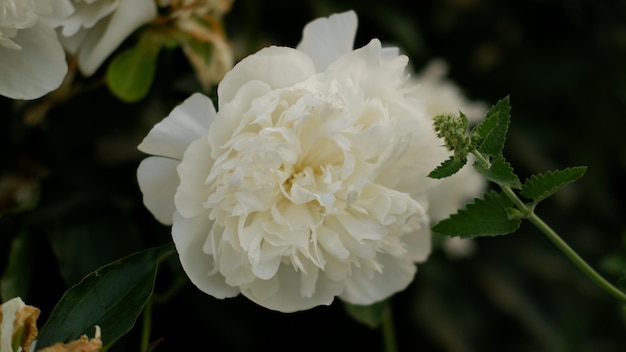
column 556, row 239
column 388, row 330
column 576, row 259
column 147, row 325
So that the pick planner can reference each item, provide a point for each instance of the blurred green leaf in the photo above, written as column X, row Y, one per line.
column 483, row 217
column 489, row 135
column 111, row 297
column 131, row 73
column 448, row 168
column 371, row 315
column 499, row 172
column 541, row 186
column 15, row 280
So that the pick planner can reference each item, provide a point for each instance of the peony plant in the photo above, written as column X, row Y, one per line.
column 312, row 173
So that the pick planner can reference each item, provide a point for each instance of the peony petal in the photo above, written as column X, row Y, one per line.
column 223, row 127
column 109, row 33
column 193, row 170
column 419, row 243
column 189, row 236
column 35, row 70
column 186, row 123
column 86, row 15
column 380, row 76
column 326, row 39
column 158, row 181
column 288, row 298
column 277, row 66
column 397, row 274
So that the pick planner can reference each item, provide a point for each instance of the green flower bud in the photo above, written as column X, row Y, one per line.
column 453, row 130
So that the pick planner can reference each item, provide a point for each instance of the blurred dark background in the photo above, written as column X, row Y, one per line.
column 69, row 196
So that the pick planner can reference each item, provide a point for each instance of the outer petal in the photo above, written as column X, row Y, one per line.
column 109, row 33
column 186, row 123
column 277, row 66
column 193, row 171
column 158, row 181
column 326, row 39
column 288, row 298
column 189, row 236
column 35, row 70
column 396, row 276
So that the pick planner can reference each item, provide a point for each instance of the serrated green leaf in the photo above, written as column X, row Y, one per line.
column 448, row 168
column 131, row 73
column 499, row 172
column 371, row 315
column 489, row 135
column 484, row 217
column 111, row 297
column 541, row 186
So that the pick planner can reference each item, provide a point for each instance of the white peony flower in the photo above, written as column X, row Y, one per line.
column 309, row 182
column 32, row 61
column 98, row 27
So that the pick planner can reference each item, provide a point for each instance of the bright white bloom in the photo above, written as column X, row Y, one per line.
column 98, row 27
column 32, row 61
column 309, row 182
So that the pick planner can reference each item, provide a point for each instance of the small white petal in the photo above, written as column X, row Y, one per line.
column 326, row 39
column 158, row 181
column 186, row 123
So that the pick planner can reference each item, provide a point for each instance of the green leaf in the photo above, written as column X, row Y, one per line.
column 483, row 217
column 448, row 168
column 541, row 186
column 371, row 315
column 499, row 172
column 15, row 280
column 111, row 297
column 488, row 136
column 131, row 73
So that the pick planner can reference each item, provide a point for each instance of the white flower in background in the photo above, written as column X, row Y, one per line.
column 32, row 61
column 309, row 182
column 451, row 193
column 98, row 27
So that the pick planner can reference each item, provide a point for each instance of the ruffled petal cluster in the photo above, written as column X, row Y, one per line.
column 308, row 182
